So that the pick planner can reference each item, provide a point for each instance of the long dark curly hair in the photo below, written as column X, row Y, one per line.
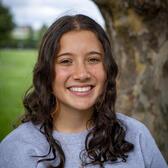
column 106, row 141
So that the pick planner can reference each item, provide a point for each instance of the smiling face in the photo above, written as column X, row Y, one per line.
column 79, row 71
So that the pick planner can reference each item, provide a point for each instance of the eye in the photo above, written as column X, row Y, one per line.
column 65, row 61
column 94, row 60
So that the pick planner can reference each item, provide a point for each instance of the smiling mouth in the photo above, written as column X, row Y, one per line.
column 80, row 89
column 84, row 90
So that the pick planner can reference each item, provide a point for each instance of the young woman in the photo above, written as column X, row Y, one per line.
column 70, row 118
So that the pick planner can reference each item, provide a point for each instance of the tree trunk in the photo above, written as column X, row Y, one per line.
column 138, row 30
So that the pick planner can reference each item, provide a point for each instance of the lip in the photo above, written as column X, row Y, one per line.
column 81, row 94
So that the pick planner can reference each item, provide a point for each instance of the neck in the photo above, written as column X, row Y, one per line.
column 71, row 121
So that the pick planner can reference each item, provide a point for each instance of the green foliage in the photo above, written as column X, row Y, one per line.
column 6, row 24
column 16, row 75
column 41, row 32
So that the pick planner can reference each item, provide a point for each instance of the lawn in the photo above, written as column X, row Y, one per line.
column 15, row 77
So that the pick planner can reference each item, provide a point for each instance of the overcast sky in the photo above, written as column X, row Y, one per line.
column 39, row 12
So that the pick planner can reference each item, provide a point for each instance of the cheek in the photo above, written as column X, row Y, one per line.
column 59, row 73
column 99, row 74
column 61, row 76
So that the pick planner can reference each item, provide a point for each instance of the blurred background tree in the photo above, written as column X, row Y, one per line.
column 14, row 36
column 42, row 30
column 6, row 25
column 138, row 30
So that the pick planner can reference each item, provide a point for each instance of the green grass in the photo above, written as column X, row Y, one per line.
column 15, row 77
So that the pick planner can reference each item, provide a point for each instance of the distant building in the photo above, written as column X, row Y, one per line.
column 21, row 32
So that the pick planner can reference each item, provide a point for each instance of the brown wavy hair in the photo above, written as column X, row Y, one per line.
column 106, row 141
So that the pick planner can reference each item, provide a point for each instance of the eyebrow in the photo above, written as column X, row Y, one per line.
column 95, row 52
column 89, row 53
column 63, row 54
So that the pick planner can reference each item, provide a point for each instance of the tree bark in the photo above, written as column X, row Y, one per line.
column 138, row 30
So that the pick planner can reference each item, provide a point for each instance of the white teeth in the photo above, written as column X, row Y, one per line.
column 80, row 89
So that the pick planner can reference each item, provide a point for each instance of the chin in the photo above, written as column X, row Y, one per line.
column 84, row 108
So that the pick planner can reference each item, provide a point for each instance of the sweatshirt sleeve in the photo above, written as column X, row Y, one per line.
column 151, row 153
column 16, row 154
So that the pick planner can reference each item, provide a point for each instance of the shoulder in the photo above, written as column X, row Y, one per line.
column 132, row 125
column 144, row 143
column 18, row 147
column 137, row 133
column 25, row 133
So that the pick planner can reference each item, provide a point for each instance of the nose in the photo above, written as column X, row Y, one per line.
column 81, row 72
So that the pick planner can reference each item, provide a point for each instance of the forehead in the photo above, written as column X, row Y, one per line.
column 80, row 39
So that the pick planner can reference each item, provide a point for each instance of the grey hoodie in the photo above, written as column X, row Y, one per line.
column 17, row 149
